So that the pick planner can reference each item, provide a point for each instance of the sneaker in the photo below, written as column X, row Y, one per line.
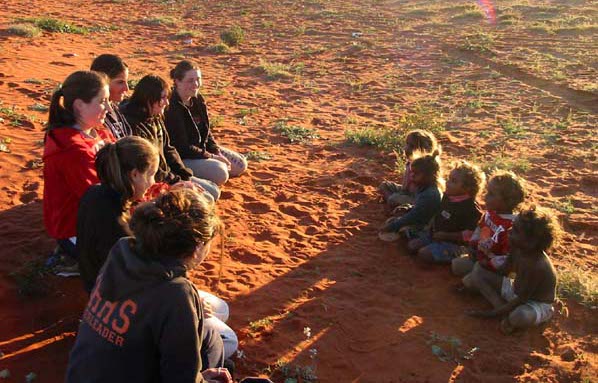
column 65, row 266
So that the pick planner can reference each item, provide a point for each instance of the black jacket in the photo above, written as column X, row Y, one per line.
column 189, row 127
column 143, row 323
column 171, row 168
column 99, row 225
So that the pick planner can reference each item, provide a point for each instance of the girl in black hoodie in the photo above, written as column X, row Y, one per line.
column 144, row 321
column 188, row 125
column 144, row 113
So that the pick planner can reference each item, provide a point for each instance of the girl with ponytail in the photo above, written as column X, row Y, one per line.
column 426, row 176
column 126, row 170
column 74, row 134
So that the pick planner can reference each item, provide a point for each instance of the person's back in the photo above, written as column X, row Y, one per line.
column 138, row 311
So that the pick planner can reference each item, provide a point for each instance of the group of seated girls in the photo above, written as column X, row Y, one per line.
column 497, row 252
column 129, row 194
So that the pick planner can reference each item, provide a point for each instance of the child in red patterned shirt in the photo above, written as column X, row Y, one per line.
column 490, row 240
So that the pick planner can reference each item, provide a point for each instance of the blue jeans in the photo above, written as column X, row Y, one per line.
column 443, row 252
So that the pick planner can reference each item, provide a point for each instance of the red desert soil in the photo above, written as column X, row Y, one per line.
column 301, row 244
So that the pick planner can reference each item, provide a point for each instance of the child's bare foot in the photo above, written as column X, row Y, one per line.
column 506, row 327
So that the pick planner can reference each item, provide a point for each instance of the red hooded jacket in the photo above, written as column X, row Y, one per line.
column 69, row 169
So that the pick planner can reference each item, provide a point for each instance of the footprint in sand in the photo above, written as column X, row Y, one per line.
column 60, row 63
column 257, row 207
column 293, row 211
column 246, row 256
column 263, row 176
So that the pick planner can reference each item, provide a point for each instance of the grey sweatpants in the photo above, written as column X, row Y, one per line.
column 216, row 171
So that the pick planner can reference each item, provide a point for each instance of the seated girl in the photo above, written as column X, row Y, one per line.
column 528, row 300
column 74, row 134
column 188, row 125
column 416, row 142
column 425, row 175
column 118, row 73
column 489, row 242
column 144, row 113
column 459, row 214
column 145, row 321
column 126, row 170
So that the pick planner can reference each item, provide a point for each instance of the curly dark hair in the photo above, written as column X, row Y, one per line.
column 472, row 176
column 510, row 188
column 539, row 226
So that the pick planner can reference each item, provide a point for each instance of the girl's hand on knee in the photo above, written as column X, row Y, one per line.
column 217, row 375
column 207, row 309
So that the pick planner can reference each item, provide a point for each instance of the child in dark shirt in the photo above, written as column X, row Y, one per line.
column 489, row 242
column 416, row 142
column 527, row 301
column 425, row 174
column 459, row 214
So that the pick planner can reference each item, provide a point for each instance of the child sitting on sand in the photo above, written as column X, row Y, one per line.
column 425, row 175
column 459, row 214
column 490, row 241
column 416, row 141
column 529, row 298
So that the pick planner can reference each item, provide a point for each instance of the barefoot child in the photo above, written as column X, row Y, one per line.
column 489, row 241
column 417, row 141
column 425, row 175
column 459, row 214
column 527, row 301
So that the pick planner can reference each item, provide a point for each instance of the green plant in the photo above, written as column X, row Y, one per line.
column 30, row 278
column 233, row 36
column 159, row 21
column 480, row 42
column 580, row 285
column 187, row 34
column 501, row 161
column 24, row 30
column 4, row 145
column 260, row 324
column 424, row 118
column 257, row 156
column 513, row 128
column 295, row 133
column 220, row 48
column 16, row 119
column 449, row 348
column 565, row 205
column 56, row 25
column 388, row 139
column 275, row 71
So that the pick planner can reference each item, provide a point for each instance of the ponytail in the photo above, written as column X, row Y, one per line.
column 116, row 160
column 83, row 85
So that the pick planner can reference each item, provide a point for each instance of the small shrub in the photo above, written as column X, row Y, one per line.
column 233, row 36
column 59, row 26
column 565, row 205
column 184, row 35
column 275, row 71
column 479, row 42
column 30, row 279
column 580, row 285
column 24, row 30
column 387, row 139
column 258, row 156
column 296, row 133
column 220, row 48
column 423, row 118
column 504, row 162
column 159, row 21
column 39, row 107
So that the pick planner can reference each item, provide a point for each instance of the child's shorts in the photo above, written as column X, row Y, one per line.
column 544, row 311
column 443, row 252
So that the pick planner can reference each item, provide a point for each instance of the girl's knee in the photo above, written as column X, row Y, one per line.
column 238, row 165
column 219, row 173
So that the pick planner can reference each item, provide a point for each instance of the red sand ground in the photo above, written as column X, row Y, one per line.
column 301, row 242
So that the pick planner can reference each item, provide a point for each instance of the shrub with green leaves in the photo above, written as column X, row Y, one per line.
column 24, row 30
column 220, row 48
column 296, row 133
column 387, row 139
column 233, row 36
column 59, row 26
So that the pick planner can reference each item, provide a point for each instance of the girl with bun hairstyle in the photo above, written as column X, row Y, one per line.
column 74, row 135
column 145, row 321
column 188, row 125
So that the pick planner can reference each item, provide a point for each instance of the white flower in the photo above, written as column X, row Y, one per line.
column 307, row 332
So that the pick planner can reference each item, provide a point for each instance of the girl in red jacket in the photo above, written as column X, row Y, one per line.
column 74, row 135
